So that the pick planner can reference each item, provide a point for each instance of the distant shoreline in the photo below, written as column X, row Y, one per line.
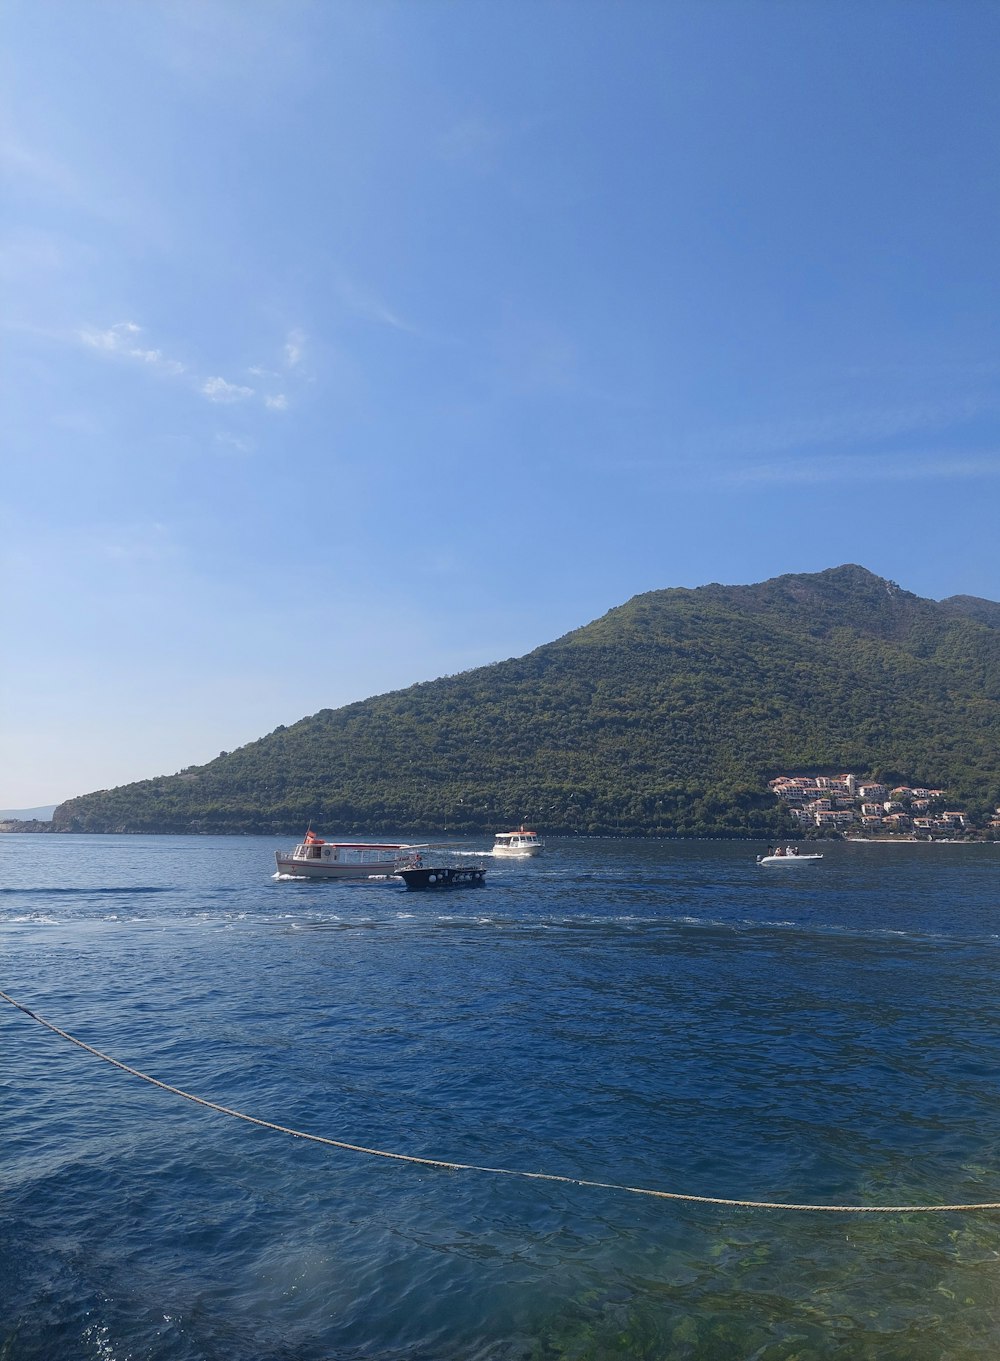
column 13, row 827
column 914, row 841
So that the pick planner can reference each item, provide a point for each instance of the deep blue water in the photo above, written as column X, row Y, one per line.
column 657, row 1015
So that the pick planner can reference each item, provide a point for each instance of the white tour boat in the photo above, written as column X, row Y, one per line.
column 315, row 858
column 787, row 856
column 521, row 842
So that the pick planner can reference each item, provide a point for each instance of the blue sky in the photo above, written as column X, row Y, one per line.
column 347, row 345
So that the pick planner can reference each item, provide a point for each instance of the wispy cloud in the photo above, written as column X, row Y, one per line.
column 84, row 186
column 219, row 390
column 120, row 339
column 157, row 359
column 293, row 349
column 292, row 354
column 234, row 442
column 115, row 337
column 25, row 163
column 41, row 172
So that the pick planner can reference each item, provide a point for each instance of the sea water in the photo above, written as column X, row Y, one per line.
column 663, row 1016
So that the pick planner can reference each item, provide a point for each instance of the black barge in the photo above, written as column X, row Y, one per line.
column 447, row 876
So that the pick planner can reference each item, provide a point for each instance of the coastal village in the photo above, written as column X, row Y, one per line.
column 853, row 805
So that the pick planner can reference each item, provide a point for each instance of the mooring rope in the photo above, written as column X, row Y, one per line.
column 447, row 1166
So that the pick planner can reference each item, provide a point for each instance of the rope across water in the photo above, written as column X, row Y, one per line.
column 447, row 1166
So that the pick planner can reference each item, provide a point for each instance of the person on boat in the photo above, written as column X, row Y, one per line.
column 779, row 850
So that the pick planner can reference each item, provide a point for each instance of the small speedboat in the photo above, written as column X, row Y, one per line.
column 787, row 856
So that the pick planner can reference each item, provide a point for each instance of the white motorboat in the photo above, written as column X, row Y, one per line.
column 787, row 855
column 519, row 843
column 315, row 858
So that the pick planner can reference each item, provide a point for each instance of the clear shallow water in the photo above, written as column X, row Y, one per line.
column 660, row 1015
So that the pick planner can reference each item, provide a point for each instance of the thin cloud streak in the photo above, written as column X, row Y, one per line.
column 814, row 471
column 148, row 542
column 473, row 141
column 25, row 165
column 370, row 308
column 838, row 428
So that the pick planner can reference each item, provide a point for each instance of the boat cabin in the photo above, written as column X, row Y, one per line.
column 349, row 853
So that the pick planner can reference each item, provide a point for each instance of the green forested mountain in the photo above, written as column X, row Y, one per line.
column 665, row 717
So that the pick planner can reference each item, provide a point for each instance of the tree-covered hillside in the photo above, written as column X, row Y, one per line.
column 665, row 717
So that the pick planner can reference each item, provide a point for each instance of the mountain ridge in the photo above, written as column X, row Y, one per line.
column 664, row 716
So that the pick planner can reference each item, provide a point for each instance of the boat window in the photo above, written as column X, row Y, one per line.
column 367, row 855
